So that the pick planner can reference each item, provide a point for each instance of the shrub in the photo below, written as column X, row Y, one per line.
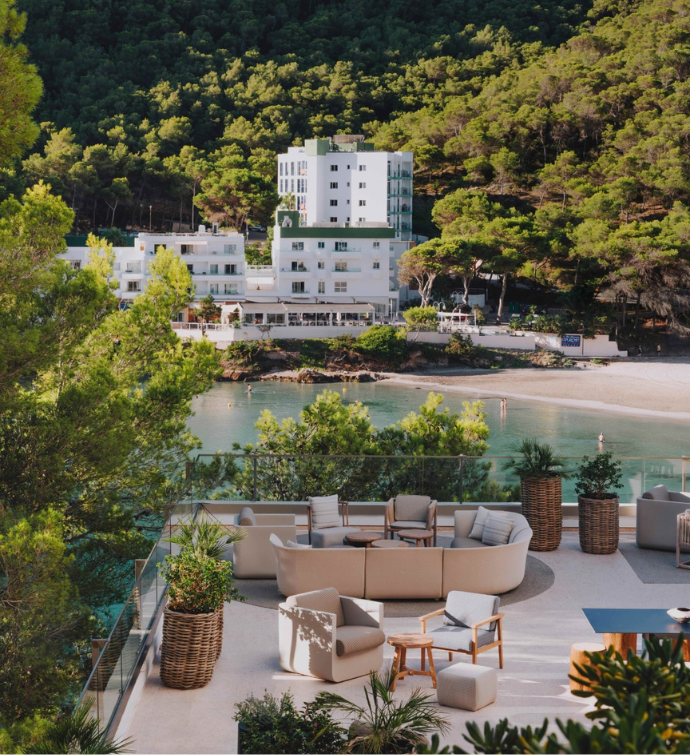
column 537, row 460
column 598, row 477
column 421, row 317
column 383, row 342
column 270, row 725
column 460, row 345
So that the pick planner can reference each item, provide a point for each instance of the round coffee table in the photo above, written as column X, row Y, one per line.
column 419, row 536
column 390, row 544
column 363, row 538
column 403, row 642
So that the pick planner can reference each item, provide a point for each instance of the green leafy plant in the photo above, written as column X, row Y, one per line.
column 536, row 461
column 205, row 538
column 421, row 318
column 384, row 724
column 383, row 342
column 198, row 583
column 599, row 477
column 269, row 725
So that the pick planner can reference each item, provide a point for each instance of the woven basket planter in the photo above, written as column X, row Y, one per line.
column 189, row 649
column 541, row 506
column 598, row 523
column 219, row 635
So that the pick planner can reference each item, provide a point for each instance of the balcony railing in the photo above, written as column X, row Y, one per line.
column 347, row 270
column 294, row 269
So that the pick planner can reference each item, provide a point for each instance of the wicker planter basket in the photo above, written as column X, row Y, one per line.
column 541, row 506
column 219, row 635
column 189, row 649
column 598, row 523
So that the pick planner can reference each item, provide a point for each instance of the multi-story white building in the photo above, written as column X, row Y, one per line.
column 343, row 179
column 215, row 260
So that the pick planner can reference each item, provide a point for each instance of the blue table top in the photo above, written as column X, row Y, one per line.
column 634, row 621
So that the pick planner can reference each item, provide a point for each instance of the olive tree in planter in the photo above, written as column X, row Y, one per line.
column 540, row 471
column 597, row 503
column 198, row 585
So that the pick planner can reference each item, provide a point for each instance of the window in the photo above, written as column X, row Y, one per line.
column 135, row 267
column 334, row 184
column 362, row 202
column 299, row 267
column 362, row 168
column 334, row 202
column 281, row 186
column 340, row 287
column 297, row 246
column 322, row 287
column 231, row 269
column 298, row 287
column 377, row 265
column 341, row 246
column 186, row 249
column 362, row 186
column 275, row 319
column 334, row 168
column 134, row 285
column 213, row 270
column 362, row 220
column 292, row 185
column 189, row 267
column 281, row 172
column 320, row 264
column 231, row 288
column 348, row 201
column 229, row 248
column 341, row 267
column 292, row 169
column 213, row 288
column 334, row 220
column 75, row 264
column 321, row 244
column 377, row 244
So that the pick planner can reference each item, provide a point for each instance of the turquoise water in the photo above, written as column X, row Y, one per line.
column 228, row 413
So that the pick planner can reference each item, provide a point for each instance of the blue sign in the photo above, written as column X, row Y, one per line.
column 572, row 341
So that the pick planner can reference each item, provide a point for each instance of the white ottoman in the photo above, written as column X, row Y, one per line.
column 330, row 536
column 466, row 686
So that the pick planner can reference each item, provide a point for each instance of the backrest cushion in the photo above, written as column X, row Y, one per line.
column 246, row 517
column 477, row 531
column 466, row 608
column 659, row 493
column 273, row 539
column 412, row 508
column 497, row 530
column 324, row 512
column 293, row 544
column 327, row 600
column 521, row 530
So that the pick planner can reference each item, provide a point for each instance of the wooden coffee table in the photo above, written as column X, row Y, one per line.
column 363, row 538
column 403, row 642
column 420, row 536
column 390, row 544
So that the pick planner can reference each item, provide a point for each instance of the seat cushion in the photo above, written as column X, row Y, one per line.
column 657, row 493
column 497, row 530
column 246, row 518
column 412, row 507
column 331, row 536
column 324, row 512
column 466, row 608
column 354, row 639
column 327, row 600
column 466, row 542
column 408, row 524
column 459, row 638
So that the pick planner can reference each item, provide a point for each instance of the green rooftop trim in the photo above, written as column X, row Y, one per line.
column 314, row 147
column 80, row 241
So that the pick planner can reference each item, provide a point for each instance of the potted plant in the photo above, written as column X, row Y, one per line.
column 540, row 471
column 597, row 503
column 198, row 585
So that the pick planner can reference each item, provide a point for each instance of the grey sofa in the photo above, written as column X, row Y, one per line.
column 657, row 510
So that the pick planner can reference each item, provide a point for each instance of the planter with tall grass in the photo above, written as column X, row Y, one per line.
column 540, row 471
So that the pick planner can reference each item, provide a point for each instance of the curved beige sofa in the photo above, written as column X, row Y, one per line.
column 471, row 566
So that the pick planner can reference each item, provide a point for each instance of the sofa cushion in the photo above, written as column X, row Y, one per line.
column 479, row 521
column 412, row 507
column 497, row 530
column 466, row 542
column 354, row 639
column 408, row 524
column 327, row 600
column 324, row 512
column 459, row 638
column 466, row 608
column 247, row 517
column 330, row 536
column 293, row 544
column 657, row 493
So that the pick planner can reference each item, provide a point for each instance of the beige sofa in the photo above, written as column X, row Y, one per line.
column 253, row 557
column 410, row 573
column 657, row 512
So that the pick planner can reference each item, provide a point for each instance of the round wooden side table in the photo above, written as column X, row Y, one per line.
column 402, row 643
column 390, row 544
column 419, row 536
column 363, row 538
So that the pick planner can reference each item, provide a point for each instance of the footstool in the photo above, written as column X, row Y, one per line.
column 330, row 536
column 466, row 686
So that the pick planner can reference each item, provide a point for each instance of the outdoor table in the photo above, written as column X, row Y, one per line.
column 363, row 538
column 419, row 536
column 390, row 544
column 404, row 642
column 620, row 626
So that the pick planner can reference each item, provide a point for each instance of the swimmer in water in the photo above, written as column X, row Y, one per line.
column 601, row 437
column 249, row 388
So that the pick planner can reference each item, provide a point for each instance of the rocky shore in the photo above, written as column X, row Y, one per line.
column 308, row 375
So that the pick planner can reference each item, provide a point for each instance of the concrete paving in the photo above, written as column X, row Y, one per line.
column 533, row 685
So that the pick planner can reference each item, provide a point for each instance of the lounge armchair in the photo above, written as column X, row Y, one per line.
column 657, row 510
column 329, row 636
column 410, row 512
column 470, row 626
column 328, row 521
column 253, row 557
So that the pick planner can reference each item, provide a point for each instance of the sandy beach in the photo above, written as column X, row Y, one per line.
column 647, row 387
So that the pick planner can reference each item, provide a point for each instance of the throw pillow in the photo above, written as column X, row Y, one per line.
column 247, row 517
column 324, row 512
column 465, row 608
column 477, row 531
column 300, row 546
column 659, row 493
column 497, row 530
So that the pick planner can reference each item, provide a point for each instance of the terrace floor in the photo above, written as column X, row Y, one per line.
column 538, row 633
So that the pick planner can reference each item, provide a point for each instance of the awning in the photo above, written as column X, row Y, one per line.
column 267, row 308
column 340, row 307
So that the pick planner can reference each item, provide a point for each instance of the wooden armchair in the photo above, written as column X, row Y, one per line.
column 410, row 512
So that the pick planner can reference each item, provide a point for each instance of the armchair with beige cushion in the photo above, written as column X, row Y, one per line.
column 472, row 625
column 329, row 636
column 328, row 521
column 410, row 512
column 253, row 557
column 657, row 512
